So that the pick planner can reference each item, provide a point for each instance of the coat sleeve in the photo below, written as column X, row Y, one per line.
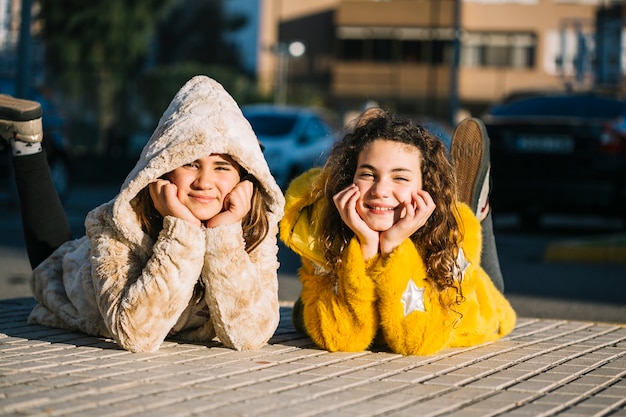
column 485, row 314
column 339, row 312
column 141, row 299
column 411, row 316
column 241, row 288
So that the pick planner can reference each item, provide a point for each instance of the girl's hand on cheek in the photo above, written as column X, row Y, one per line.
column 236, row 205
column 346, row 201
column 416, row 213
column 165, row 199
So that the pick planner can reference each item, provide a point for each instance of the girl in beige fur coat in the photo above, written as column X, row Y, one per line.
column 186, row 250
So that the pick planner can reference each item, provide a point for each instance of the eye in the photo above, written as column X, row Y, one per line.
column 192, row 165
column 224, row 167
column 365, row 174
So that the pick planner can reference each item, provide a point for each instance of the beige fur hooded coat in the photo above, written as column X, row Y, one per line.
column 117, row 282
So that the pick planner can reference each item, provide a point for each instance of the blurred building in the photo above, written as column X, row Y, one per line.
column 416, row 55
column 403, row 51
column 9, row 32
column 10, row 22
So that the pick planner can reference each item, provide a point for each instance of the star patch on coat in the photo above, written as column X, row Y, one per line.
column 412, row 298
column 462, row 263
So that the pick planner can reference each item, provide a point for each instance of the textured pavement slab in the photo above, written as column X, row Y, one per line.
column 544, row 368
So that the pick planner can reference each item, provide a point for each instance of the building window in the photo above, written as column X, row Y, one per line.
column 496, row 49
column 411, row 51
column 384, row 44
column 390, row 50
column 510, row 1
column 382, row 50
column 351, row 49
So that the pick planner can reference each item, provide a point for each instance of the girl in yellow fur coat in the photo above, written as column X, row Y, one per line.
column 387, row 250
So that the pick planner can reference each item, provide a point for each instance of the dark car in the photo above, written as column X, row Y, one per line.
column 55, row 144
column 294, row 138
column 550, row 155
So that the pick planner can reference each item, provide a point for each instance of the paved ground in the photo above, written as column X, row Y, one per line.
column 544, row 368
column 571, row 362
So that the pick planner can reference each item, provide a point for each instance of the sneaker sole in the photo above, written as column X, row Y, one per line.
column 470, row 159
column 18, row 110
column 30, row 131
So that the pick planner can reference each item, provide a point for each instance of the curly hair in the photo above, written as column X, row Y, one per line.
column 438, row 239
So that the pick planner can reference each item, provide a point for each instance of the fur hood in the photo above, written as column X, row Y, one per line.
column 201, row 119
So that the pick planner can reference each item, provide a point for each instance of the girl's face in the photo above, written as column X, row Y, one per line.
column 387, row 173
column 204, row 184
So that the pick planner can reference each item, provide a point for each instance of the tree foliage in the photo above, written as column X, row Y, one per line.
column 190, row 40
column 85, row 39
column 102, row 52
column 159, row 85
column 93, row 48
column 194, row 30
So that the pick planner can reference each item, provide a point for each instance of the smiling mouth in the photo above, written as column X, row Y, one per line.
column 203, row 198
column 379, row 209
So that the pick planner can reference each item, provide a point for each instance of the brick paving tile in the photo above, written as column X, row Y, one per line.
column 543, row 368
column 621, row 412
column 553, row 398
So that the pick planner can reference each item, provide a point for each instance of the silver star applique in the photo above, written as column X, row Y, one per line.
column 463, row 264
column 413, row 298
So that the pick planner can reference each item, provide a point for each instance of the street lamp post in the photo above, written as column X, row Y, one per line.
column 284, row 52
column 24, row 51
column 456, row 57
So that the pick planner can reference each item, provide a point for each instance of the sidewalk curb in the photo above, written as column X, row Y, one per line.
column 607, row 249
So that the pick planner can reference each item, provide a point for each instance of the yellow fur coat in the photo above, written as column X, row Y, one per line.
column 344, row 311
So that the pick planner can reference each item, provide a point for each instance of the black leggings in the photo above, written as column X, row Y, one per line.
column 44, row 220
column 489, row 259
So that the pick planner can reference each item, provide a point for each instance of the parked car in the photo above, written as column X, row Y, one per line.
column 550, row 154
column 294, row 138
column 437, row 128
column 614, row 135
column 55, row 144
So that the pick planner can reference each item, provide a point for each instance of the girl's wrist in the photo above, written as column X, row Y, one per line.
column 369, row 251
column 387, row 247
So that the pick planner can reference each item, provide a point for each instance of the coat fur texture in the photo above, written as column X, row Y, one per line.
column 393, row 297
column 117, row 282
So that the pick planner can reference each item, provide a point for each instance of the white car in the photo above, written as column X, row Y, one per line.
column 294, row 138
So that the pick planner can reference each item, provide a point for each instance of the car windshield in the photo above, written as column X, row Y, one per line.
column 269, row 125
